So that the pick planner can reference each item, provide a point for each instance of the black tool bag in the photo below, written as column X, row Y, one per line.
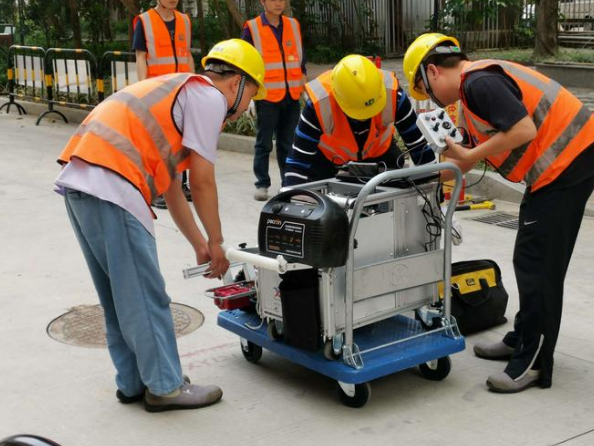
column 300, row 300
column 479, row 299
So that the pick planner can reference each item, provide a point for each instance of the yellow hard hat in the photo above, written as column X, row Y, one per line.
column 358, row 87
column 416, row 54
column 240, row 54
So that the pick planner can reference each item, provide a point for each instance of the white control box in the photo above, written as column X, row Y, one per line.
column 435, row 126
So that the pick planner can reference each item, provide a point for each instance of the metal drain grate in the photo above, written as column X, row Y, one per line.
column 502, row 219
column 84, row 326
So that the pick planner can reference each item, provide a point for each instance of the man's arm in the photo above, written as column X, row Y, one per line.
column 206, row 202
column 406, row 125
column 141, row 65
column 184, row 219
column 192, row 64
column 140, row 47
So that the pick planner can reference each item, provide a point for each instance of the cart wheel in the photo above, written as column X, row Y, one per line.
column 273, row 331
column 329, row 352
column 361, row 397
column 251, row 351
column 436, row 370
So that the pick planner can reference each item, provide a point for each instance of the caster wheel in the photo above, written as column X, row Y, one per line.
column 436, row 370
column 251, row 352
column 272, row 331
column 434, row 323
column 362, row 395
column 329, row 352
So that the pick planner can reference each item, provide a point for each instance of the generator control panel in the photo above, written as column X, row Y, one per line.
column 436, row 126
column 304, row 227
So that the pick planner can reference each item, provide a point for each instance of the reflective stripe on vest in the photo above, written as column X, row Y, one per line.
column 564, row 127
column 161, row 58
column 279, row 73
column 337, row 141
column 155, row 151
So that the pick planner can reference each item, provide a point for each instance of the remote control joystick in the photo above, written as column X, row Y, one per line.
column 436, row 126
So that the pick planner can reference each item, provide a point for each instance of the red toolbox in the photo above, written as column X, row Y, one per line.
column 234, row 296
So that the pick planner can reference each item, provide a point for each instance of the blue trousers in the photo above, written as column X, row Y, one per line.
column 274, row 119
column 122, row 258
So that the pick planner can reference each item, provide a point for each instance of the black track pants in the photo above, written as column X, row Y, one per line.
column 549, row 224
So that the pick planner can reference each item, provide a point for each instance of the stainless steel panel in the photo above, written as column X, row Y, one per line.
column 398, row 274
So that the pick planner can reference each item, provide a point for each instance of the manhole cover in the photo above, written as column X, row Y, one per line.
column 502, row 219
column 84, row 326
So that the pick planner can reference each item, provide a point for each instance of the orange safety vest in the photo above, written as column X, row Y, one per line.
column 161, row 57
column 133, row 133
column 283, row 65
column 338, row 143
column 565, row 126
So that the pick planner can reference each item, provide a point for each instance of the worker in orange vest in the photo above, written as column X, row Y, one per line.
column 278, row 39
column 352, row 114
column 531, row 130
column 129, row 150
column 162, row 42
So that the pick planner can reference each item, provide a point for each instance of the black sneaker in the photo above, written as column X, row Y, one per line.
column 159, row 202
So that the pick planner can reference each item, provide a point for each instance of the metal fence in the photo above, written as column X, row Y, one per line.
column 391, row 25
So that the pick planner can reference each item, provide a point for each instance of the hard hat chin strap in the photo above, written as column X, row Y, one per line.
column 428, row 88
column 231, row 111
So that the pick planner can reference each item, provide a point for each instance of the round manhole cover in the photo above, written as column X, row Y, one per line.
column 84, row 326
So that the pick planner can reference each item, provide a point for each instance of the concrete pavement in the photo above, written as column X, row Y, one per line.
column 67, row 393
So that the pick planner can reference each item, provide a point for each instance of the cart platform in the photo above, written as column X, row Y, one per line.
column 377, row 363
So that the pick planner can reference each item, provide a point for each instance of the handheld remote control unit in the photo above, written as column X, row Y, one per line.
column 435, row 126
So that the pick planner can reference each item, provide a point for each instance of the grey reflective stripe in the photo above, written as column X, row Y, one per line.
column 183, row 60
column 274, row 66
column 160, row 61
column 149, row 35
column 295, row 28
column 508, row 165
column 388, row 113
column 282, row 85
column 121, row 143
column 256, row 37
column 188, row 30
column 550, row 94
column 292, row 65
column 481, row 127
column 555, row 149
column 141, row 108
column 321, row 97
column 344, row 149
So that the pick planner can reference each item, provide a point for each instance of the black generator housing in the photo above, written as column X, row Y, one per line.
column 315, row 234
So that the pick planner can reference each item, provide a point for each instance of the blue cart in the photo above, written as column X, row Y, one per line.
column 361, row 346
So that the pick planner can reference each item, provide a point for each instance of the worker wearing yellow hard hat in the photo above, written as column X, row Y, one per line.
column 352, row 114
column 129, row 150
column 532, row 130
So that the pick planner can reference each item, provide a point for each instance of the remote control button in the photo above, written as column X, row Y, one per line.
column 447, row 125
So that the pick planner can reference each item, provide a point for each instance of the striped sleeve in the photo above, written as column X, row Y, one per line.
column 406, row 125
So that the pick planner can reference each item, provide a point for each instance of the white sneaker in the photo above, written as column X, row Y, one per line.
column 261, row 194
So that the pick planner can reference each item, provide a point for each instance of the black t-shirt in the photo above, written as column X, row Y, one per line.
column 139, row 40
column 495, row 97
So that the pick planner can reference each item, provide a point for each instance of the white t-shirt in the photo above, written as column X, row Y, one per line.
column 199, row 113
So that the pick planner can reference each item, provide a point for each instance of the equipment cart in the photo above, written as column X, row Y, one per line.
column 375, row 257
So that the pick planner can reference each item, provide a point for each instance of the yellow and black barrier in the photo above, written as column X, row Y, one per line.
column 118, row 70
column 26, row 76
column 71, row 75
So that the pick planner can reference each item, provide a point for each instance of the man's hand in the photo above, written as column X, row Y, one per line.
column 218, row 264
column 202, row 253
column 457, row 152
